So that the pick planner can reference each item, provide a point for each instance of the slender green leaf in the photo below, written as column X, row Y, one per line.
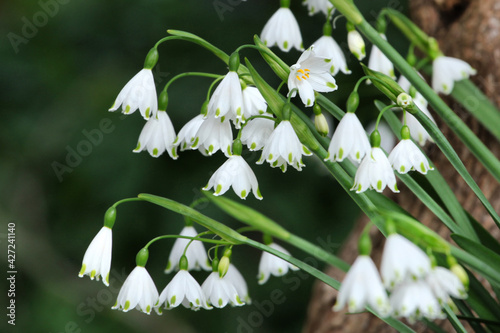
column 453, row 319
column 477, row 264
column 469, row 316
column 485, row 237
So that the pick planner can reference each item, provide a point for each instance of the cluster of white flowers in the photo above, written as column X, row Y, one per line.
column 417, row 288
column 139, row 290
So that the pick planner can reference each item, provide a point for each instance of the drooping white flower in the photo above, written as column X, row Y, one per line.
column 187, row 135
column 375, row 172
column 311, row 73
column 362, row 286
column 214, row 134
column 256, row 133
column 316, row 6
column 444, row 284
column 282, row 30
column 447, row 70
column 406, row 156
column 327, row 47
column 138, row 291
column 157, row 136
column 402, row 260
column 238, row 281
column 349, row 139
column 138, row 93
column 97, row 259
column 413, row 299
column 253, row 102
column 236, row 173
column 220, row 291
column 227, row 99
column 195, row 254
column 183, row 289
column 284, row 147
column 356, row 44
column 271, row 265
column 379, row 62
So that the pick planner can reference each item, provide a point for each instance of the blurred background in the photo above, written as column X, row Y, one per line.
column 62, row 65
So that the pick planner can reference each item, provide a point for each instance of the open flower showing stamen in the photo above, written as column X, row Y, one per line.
column 272, row 265
column 97, row 259
column 138, row 93
column 311, row 73
column 362, row 286
column 282, row 30
column 138, row 291
column 447, row 70
column 157, row 136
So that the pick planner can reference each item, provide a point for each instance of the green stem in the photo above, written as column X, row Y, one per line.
column 215, row 76
column 212, row 241
column 126, row 200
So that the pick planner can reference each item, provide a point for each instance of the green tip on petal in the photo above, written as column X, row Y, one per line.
column 82, row 270
column 107, row 279
column 422, row 167
column 331, row 85
column 285, row 45
column 332, row 69
column 127, row 109
column 218, row 189
column 155, row 152
column 92, row 274
column 127, row 305
column 379, row 185
column 148, row 309
column 253, row 145
column 238, row 111
column 290, row 158
column 169, row 265
column 328, row 60
column 270, row 157
column 172, row 300
column 148, row 110
column 238, row 300
column 195, row 143
column 197, row 301
column 259, row 196
column 402, row 169
column 220, row 302
column 243, row 194
column 217, row 112
column 211, row 148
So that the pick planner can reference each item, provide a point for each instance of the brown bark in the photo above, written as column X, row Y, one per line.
column 469, row 30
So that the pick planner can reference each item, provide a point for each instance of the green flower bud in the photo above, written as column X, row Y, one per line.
column 460, row 272
column 204, row 108
column 316, row 109
column 215, row 265
column 375, row 139
column 223, row 266
column 321, row 124
column 405, row 132
column 142, row 257
column 365, row 244
column 151, row 58
column 353, row 102
column 327, row 28
column 237, row 147
column 183, row 263
column 234, row 62
column 163, row 101
column 110, row 217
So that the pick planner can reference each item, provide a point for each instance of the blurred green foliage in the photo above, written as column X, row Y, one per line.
column 57, row 85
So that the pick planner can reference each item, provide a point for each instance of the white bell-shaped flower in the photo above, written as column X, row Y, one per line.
column 271, row 265
column 183, row 289
column 284, row 147
column 214, row 134
column 138, row 93
column 235, row 173
column 328, row 48
column 316, row 6
column 413, row 299
column 257, row 131
column 362, row 286
column 253, row 103
column 196, row 253
column 379, row 62
column 407, row 156
column 375, row 172
column 220, row 291
column 282, row 30
column 402, row 260
column 157, row 136
column 356, row 44
column 238, row 281
column 187, row 135
column 444, row 284
column 349, row 139
column 227, row 99
column 447, row 70
column 97, row 259
column 138, row 291
column 311, row 73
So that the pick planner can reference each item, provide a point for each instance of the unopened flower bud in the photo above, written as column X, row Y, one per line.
column 404, row 100
column 356, row 44
column 321, row 124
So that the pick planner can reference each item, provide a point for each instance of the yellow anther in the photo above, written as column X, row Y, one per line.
column 301, row 71
column 298, row 78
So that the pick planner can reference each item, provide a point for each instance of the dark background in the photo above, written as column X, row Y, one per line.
column 57, row 84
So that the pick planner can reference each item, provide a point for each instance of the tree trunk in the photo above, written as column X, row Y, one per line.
column 469, row 30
